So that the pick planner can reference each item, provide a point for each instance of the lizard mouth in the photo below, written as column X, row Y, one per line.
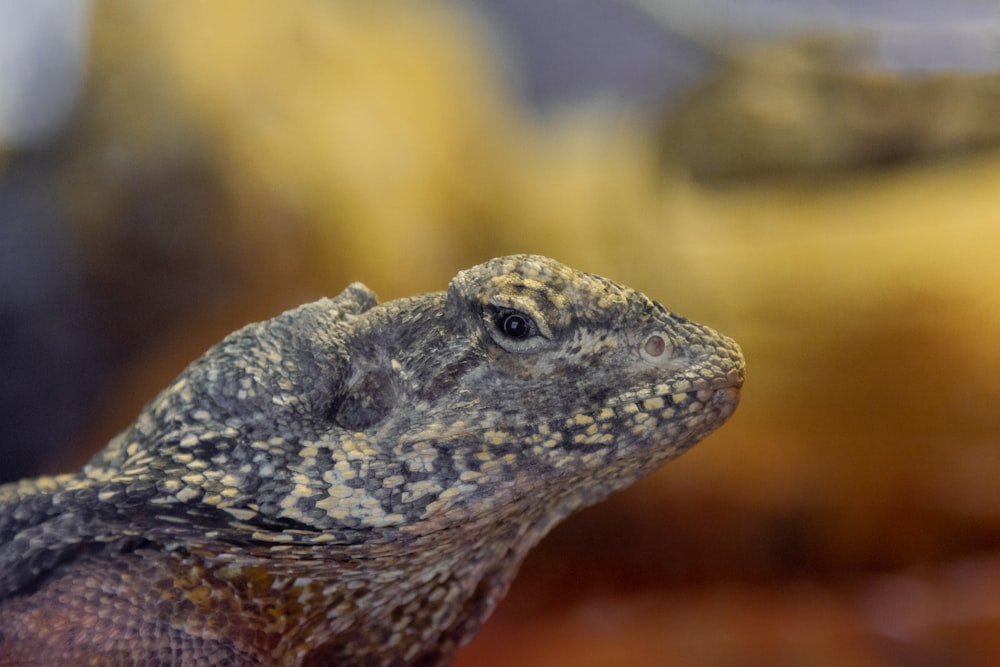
column 712, row 403
column 695, row 393
column 655, row 414
column 689, row 405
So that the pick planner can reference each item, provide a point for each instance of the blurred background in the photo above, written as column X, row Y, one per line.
column 820, row 180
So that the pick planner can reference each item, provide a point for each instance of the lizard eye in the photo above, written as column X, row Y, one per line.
column 515, row 330
column 514, row 325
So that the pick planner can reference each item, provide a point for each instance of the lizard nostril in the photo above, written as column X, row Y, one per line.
column 655, row 346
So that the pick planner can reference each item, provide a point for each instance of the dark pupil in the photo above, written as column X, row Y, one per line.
column 514, row 325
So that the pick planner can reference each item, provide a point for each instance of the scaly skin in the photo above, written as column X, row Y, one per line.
column 353, row 482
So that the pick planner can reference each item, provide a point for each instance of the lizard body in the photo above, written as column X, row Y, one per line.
column 353, row 482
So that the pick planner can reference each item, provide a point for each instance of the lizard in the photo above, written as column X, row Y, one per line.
column 355, row 482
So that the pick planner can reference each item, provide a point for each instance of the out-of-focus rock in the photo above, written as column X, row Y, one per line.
column 828, row 103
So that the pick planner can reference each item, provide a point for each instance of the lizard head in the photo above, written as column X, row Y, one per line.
column 528, row 380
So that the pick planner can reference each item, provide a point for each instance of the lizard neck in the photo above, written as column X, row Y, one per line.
column 427, row 592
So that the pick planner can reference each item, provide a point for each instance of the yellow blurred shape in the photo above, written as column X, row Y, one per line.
column 368, row 117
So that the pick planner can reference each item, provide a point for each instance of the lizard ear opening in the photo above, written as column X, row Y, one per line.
column 367, row 401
